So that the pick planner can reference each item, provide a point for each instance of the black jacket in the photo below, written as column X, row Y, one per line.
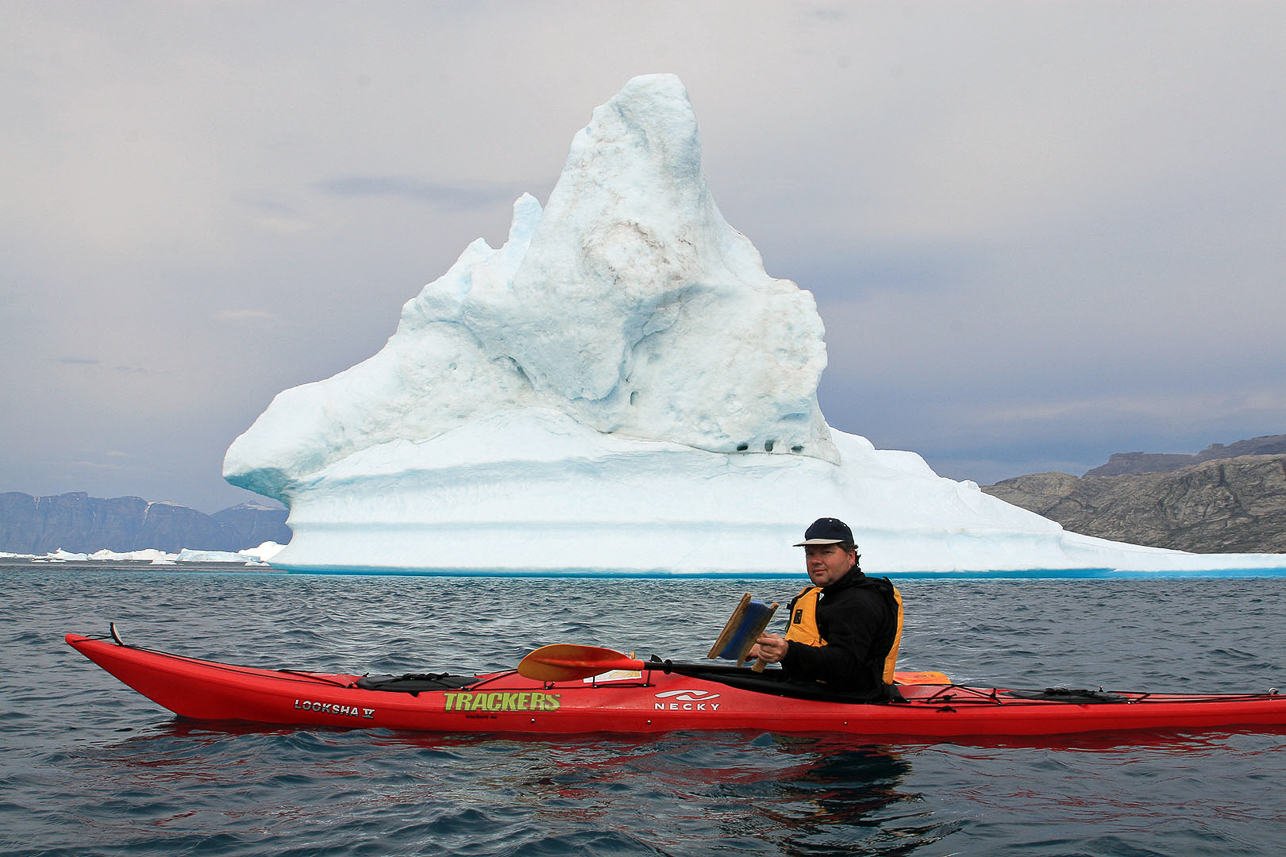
column 857, row 618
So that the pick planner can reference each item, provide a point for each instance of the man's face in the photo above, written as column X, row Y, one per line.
column 827, row 563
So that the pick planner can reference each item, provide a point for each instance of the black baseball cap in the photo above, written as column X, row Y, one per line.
column 827, row 531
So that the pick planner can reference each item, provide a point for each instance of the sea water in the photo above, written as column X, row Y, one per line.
column 89, row 767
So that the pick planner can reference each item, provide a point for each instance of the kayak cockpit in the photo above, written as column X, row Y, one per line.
column 415, row 683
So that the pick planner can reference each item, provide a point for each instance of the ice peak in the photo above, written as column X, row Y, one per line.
column 627, row 303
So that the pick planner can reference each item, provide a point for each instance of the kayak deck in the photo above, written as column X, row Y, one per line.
column 648, row 700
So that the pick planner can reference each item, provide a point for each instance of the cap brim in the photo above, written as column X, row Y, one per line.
column 818, row 542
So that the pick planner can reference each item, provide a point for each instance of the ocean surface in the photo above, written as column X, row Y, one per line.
column 88, row 767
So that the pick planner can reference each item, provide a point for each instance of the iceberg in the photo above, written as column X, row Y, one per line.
column 256, row 556
column 262, row 554
column 620, row 388
column 61, row 555
column 150, row 555
column 188, row 555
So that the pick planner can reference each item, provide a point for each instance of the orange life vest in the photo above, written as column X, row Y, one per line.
column 803, row 626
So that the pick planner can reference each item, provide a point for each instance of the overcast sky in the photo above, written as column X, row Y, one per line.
column 1038, row 233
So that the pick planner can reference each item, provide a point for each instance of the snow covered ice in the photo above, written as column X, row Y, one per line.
column 249, row 556
column 621, row 387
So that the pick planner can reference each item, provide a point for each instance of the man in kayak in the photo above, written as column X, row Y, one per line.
column 845, row 629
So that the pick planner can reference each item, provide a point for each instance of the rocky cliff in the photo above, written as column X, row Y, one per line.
column 1205, row 503
column 82, row 524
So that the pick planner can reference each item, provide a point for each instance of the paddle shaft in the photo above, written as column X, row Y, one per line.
column 566, row 662
column 599, row 667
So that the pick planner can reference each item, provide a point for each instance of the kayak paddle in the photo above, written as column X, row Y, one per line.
column 570, row 662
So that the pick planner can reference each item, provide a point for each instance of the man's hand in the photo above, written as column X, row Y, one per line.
column 770, row 648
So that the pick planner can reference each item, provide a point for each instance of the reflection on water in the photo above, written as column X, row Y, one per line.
column 698, row 788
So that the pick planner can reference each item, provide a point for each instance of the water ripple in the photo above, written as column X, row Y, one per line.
column 91, row 768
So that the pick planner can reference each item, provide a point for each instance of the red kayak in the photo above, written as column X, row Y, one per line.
column 581, row 689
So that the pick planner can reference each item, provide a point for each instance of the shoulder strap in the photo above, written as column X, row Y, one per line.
column 891, row 659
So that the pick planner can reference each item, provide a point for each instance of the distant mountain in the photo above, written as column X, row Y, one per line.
column 1225, row 499
column 1160, row 462
column 82, row 524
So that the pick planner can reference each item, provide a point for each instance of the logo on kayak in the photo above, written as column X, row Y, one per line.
column 502, row 701
column 335, row 708
column 687, row 700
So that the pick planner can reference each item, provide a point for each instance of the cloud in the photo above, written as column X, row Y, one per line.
column 277, row 217
column 452, row 197
column 104, row 465
column 95, row 363
column 1044, row 414
column 246, row 316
